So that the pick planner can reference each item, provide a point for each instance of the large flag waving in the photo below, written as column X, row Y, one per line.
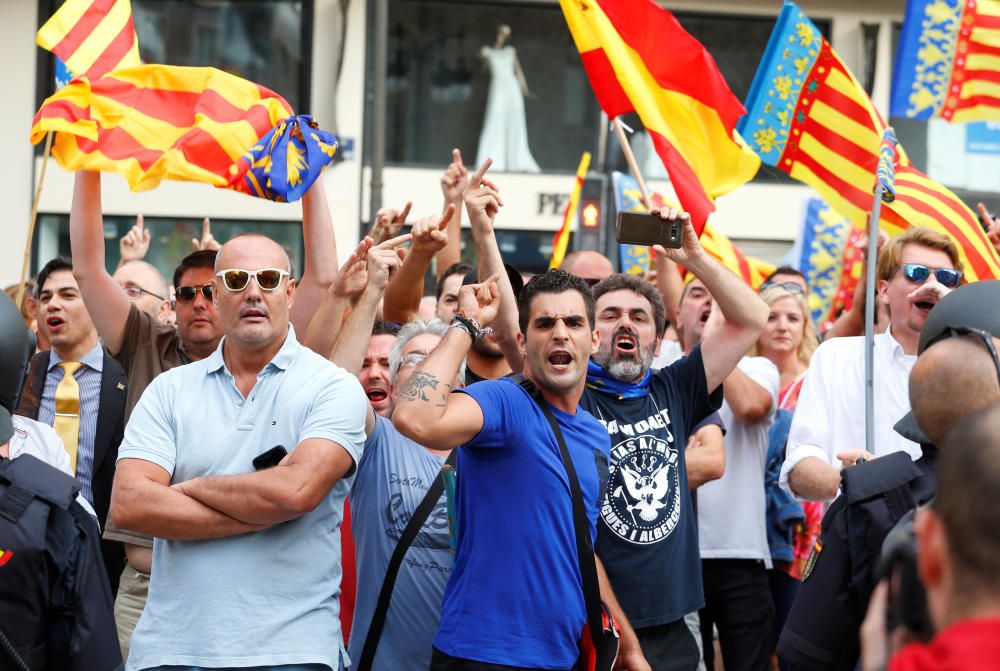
column 811, row 118
column 92, row 37
column 948, row 61
column 156, row 122
column 639, row 58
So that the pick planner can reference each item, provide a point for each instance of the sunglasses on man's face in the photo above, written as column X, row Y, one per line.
column 186, row 294
column 918, row 274
column 235, row 279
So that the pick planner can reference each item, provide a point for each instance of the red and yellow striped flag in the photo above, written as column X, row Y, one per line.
column 561, row 239
column 156, row 122
column 811, row 118
column 93, row 37
column 639, row 58
column 948, row 61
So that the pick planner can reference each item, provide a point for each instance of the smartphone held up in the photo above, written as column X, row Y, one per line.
column 639, row 228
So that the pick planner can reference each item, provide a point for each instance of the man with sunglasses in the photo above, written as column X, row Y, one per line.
column 247, row 561
column 915, row 270
column 145, row 347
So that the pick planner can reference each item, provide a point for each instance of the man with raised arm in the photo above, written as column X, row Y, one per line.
column 515, row 597
column 224, row 596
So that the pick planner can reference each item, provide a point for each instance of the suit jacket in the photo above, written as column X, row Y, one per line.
column 110, row 431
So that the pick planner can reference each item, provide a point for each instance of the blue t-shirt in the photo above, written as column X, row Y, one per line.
column 393, row 477
column 648, row 538
column 515, row 596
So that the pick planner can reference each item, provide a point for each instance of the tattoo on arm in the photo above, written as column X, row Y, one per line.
column 413, row 390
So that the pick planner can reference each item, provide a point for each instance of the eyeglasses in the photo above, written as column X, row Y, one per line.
column 186, row 294
column 235, row 279
column 790, row 287
column 135, row 293
column 986, row 338
column 918, row 273
column 412, row 360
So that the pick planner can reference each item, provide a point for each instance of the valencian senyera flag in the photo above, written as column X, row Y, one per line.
column 92, row 37
column 154, row 122
column 829, row 255
column 637, row 259
column 561, row 240
column 639, row 59
column 809, row 117
column 948, row 61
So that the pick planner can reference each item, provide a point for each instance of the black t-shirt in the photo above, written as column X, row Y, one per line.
column 647, row 537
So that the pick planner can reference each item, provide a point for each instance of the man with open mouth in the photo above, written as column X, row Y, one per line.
column 915, row 270
column 647, row 537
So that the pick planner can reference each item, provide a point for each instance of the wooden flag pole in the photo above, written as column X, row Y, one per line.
column 633, row 167
column 34, row 217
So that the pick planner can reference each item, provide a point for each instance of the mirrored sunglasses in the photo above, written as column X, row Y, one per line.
column 186, row 294
column 235, row 279
column 918, row 273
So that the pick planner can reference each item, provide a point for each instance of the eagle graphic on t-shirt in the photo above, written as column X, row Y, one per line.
column 647, row 490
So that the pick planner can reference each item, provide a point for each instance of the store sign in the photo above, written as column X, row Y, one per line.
column 552, row 203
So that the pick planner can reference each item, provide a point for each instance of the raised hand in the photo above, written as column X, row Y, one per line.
column 207, row 240
column 388, row 223
column 482, row 200
column 992, row 225
column 690, row 246
column 480, row 301
column 134, row 245
column 430, row 234
column 455, row 179
column 353, row 275
column 384, row 261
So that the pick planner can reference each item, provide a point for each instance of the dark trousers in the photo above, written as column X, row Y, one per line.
column 738, row 603
column 669, row 647
column 783, row 590
column 442, row 662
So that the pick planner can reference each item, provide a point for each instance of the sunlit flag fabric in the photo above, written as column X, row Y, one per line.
column 809, row 117
column 156, row 122
column 561, row 239
column 92, row 37
column 948, row 61
column 639, row 58
column 830, row 258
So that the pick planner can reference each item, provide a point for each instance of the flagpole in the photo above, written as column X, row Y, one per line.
column 633, row 167
column 885, row 190
column 34, row 217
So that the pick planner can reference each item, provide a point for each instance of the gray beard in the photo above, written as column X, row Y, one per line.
column 626, row 370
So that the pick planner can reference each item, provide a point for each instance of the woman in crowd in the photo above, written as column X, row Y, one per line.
column 788, row 340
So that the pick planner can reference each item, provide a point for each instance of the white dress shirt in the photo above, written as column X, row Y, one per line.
column 42, row 442
column 830, row 415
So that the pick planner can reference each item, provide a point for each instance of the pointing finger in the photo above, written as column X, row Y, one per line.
column 456, row 156
column 477, row 177
column 206, row 227
column 406, row 211
column 392, row 243
column 446, row 217
column 139, row 221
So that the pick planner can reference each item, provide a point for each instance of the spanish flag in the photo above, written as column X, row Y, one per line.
column 639, row 59
column 154, row 122
column 561, row 239
column 93, row 37
column 948, row 61
column 809, row 117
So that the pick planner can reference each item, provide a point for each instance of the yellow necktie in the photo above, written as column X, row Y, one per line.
column 67, row 421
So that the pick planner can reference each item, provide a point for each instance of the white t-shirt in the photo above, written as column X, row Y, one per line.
column 670, row 351
column 830, row 413
column 731, row 510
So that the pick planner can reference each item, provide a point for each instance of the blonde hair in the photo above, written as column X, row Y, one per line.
column 810, row 341
column 891, row 255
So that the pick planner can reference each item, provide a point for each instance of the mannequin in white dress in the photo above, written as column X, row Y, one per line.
column 504, row 137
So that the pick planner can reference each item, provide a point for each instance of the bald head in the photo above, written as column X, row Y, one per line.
column 153, row 295
column 951, row 380
column 255, row 245
column 588, row 264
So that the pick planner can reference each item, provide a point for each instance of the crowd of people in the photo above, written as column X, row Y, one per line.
column 517, row 454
